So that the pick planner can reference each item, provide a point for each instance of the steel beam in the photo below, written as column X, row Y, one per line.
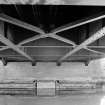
column 19, row 23
column 94, row 51
column 91, row 39
column 4, row 48
column 25, row 41
column 55, row 36
column 64, row 46
column 95, row 46
column 32, row 39
column 79, row 23
column 14, row 47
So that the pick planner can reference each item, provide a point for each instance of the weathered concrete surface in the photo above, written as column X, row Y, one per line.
column 75, row 71
column 67, row 2
column 51, row 71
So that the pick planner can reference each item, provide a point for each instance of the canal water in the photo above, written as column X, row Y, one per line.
column 82, row 99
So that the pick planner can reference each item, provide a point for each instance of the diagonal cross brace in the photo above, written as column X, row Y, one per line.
column 93, row 38
column 14, row 47
column 22, row 24
column 19, row 23
column 79, row 23
column 43, row 36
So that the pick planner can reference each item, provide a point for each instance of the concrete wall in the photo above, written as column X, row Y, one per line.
column 51, row 71
column 70, row 2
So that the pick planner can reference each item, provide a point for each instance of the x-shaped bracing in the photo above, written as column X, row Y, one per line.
column 22, row 24
column 52, row 34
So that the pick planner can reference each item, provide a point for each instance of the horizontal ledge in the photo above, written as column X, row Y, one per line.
column 40, row 46
column 46, row 61
column 52, row 55
column 54, row 46
column 96, row 46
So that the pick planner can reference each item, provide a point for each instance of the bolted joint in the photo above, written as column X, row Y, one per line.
column 58, row 63
column 86, row 63
column 4, row 60
column 34, row 63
